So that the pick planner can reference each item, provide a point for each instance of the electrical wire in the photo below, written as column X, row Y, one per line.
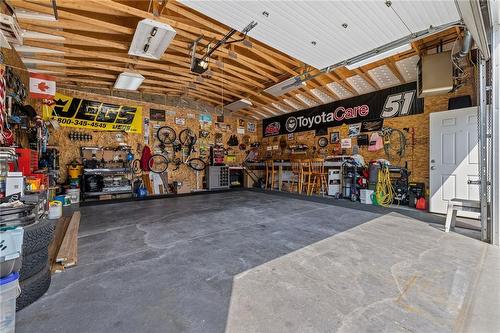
column 384, row 192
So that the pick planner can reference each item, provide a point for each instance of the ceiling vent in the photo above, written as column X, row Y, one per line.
column 10, row 30
column 434, row 74
column 151, row 39
column 285, row 87
column 238, row 105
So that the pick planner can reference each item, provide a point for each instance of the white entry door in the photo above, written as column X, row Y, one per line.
column 454, row 158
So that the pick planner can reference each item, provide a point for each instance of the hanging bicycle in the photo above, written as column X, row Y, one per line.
column 159, row 163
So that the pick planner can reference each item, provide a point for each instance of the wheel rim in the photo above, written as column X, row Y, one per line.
column 187, row 137
column 197, row 164
column 166, row 134
column 158, row 163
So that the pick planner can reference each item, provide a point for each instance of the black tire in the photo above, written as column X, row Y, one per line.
column 33, row 263
column 166, row 135
column 187, row 137
column 37, row 236
column 33, row 288
column 197, row 164
column 158, row 163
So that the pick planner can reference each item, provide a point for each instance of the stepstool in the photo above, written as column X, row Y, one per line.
column 455, row 205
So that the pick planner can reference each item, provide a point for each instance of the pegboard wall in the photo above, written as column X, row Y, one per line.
column 70, row 149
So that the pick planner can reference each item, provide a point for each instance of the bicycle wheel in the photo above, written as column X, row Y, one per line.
column 136, row 167
column 187, row 137
column 197, row 164
column 166, row 135
column 158, row 163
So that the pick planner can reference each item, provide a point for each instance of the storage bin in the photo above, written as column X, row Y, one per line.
column 11, row 240
column 9, row 291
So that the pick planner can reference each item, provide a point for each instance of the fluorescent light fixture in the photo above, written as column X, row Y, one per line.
column 128, row 81
column 40, row 35
column 238, row 105
column 284, row 87
column 31, row 15
column 379, row 56
column 151, row 39
column 29, row 61
column 33, row 49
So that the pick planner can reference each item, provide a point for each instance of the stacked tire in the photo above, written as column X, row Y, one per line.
column 35, row 270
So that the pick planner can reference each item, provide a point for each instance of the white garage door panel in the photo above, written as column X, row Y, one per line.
column 293, row 25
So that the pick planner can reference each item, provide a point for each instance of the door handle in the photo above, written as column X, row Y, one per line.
column 433, row 167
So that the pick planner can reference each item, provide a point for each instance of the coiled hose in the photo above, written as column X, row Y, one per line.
column 384, row 193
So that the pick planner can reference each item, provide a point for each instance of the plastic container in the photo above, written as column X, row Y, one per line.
column 60, row 198
column 11, row 241
column 9, row 291
column 73, row 194
column 55, row 210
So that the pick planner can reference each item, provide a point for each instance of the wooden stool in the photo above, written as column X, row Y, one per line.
column 319, row 176
column 455, row 205
column 297, row 173
column 306, row 178
column 270, row 171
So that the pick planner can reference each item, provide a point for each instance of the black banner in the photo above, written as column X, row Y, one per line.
column 388, row 103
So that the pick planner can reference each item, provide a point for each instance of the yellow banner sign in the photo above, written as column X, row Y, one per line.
column 82, row 113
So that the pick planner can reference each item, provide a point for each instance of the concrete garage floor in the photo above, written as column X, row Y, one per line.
column 252, row 262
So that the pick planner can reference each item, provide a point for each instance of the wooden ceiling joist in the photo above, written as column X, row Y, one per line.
column 93, row 38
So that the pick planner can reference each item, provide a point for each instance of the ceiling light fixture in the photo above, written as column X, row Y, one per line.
column 128, row 81
column 379, row 56
column 151, row 39
column 238, row 105
column 284, row 87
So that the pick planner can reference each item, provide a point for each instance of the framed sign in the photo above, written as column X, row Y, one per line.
column 157, row 115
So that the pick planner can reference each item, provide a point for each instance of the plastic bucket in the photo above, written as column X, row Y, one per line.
column 55, row 210
column 9, row 290
column 73, row 194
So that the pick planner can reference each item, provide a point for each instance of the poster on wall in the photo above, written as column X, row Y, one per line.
column 205, row 119
column 334, row 137
column 392, row 102
column 180, row 121
column 146, row 131
column 82, row 113
column 157, row 115
column 346, row 143
column 354, row 130
column 251, row 127
column 372, row 126
column 240, row 130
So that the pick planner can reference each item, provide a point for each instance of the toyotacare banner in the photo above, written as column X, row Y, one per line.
column 82, row 113
column 392, row 102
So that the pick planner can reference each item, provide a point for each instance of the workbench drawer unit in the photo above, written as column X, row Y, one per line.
column 217, row 178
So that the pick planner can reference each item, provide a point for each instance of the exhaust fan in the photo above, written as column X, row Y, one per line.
column 285, row 87
column 151, row 39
